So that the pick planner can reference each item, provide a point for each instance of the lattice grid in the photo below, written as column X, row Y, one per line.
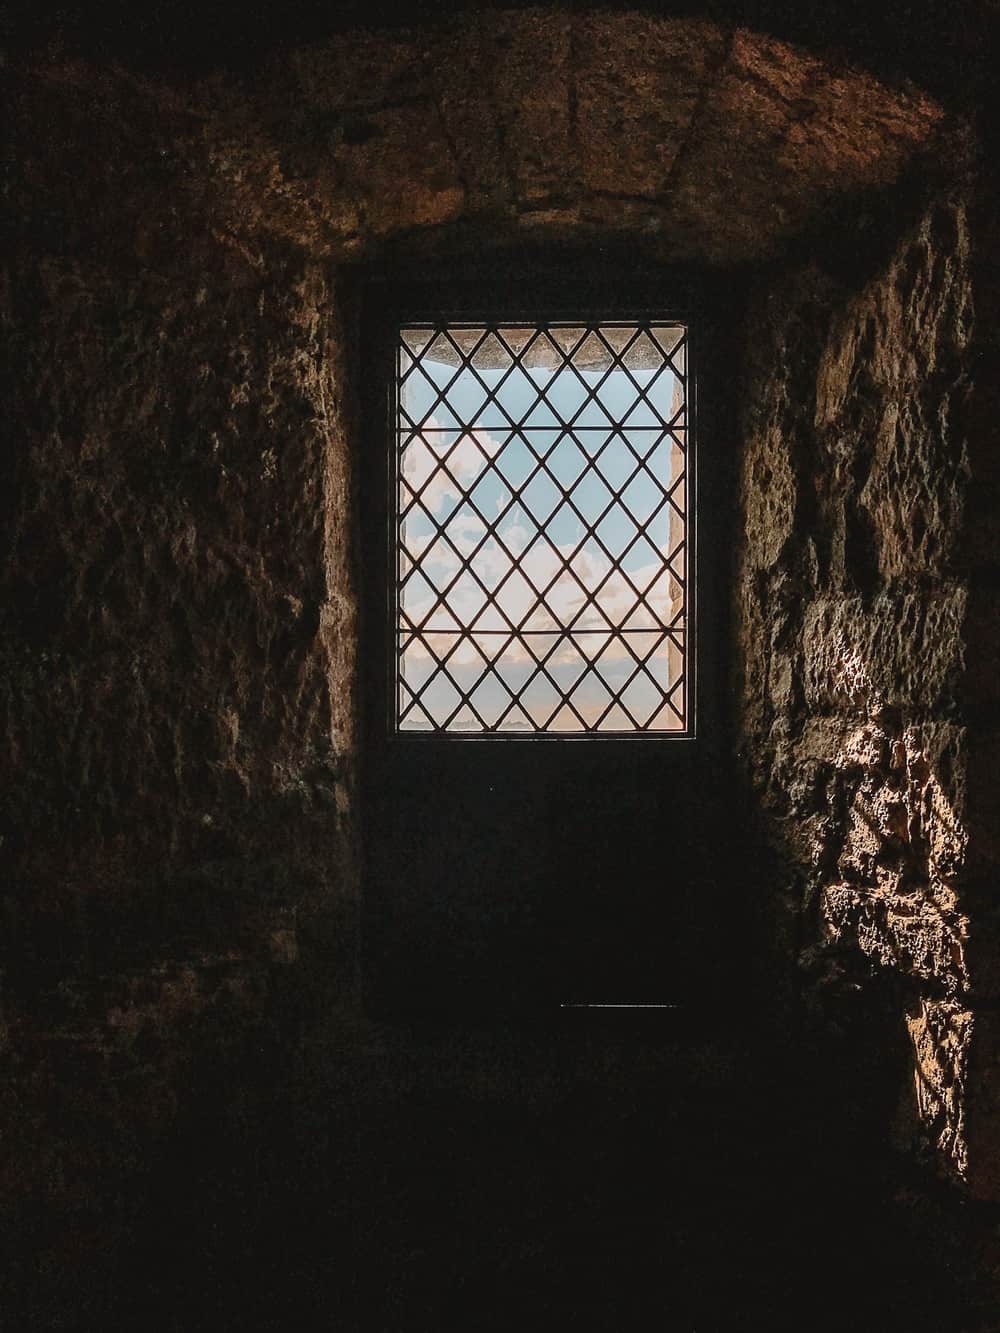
column 541, row 535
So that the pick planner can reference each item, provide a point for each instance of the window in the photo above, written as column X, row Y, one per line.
column 542, row 572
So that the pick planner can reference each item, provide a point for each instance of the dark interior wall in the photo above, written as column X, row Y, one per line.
column 861, row 702
column 178, row 612
column 177, row 629
column 982, row 537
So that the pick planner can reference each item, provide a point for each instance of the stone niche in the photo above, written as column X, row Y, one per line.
column 179, row 604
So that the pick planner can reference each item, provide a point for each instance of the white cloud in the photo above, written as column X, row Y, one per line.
column 564, row 600
column 572, row 573
column 423, row 455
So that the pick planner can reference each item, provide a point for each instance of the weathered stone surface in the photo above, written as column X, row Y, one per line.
column 910, row 329
column 779, row 447
column 892, row 422
column 397, row 189
column 913, row 936
column 941, row 1032
column 531, row 91
column 178, row 630
column 864, row 673
column 556, row 120
column 638, row 81
column 725, row 172
column 773, row 104
column 901, row 648
column 461, row 85
column 916, row 488
column 149, row 548
column 828, row 110
column 769, row 471
column 878, row 815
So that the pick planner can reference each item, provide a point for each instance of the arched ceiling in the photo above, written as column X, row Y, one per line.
column 712, row 143
column 709, row 142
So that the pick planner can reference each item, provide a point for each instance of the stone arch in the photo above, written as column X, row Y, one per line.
column 714, row 144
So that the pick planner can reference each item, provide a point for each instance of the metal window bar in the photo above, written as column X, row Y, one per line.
column 610, row 654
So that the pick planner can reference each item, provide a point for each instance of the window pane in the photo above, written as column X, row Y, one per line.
column 541, row 545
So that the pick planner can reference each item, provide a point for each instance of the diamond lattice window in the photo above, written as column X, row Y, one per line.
column 541, row 539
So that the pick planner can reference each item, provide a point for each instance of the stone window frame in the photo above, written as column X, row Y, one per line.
column 607, row 284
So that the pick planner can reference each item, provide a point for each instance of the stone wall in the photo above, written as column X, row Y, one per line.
column 177, row 609
column 866, row 437
column 176, row 687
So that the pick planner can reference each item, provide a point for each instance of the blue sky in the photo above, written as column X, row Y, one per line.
column 484, row 466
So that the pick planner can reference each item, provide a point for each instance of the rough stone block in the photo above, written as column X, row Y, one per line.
column 396, row 189
column 771, row 491
column 724, row 170
column 879, row 779
column 911, row 325
column 915, row 489
column 531, row 69
column 942, row 1032
column 906, row 649
column 460, row 83
column 540, row 110
column 776, row 103
column 827, row 138
column 898, row 930
column 841, row 124
column 638, row 81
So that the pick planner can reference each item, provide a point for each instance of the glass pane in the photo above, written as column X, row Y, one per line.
column 540, row 529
